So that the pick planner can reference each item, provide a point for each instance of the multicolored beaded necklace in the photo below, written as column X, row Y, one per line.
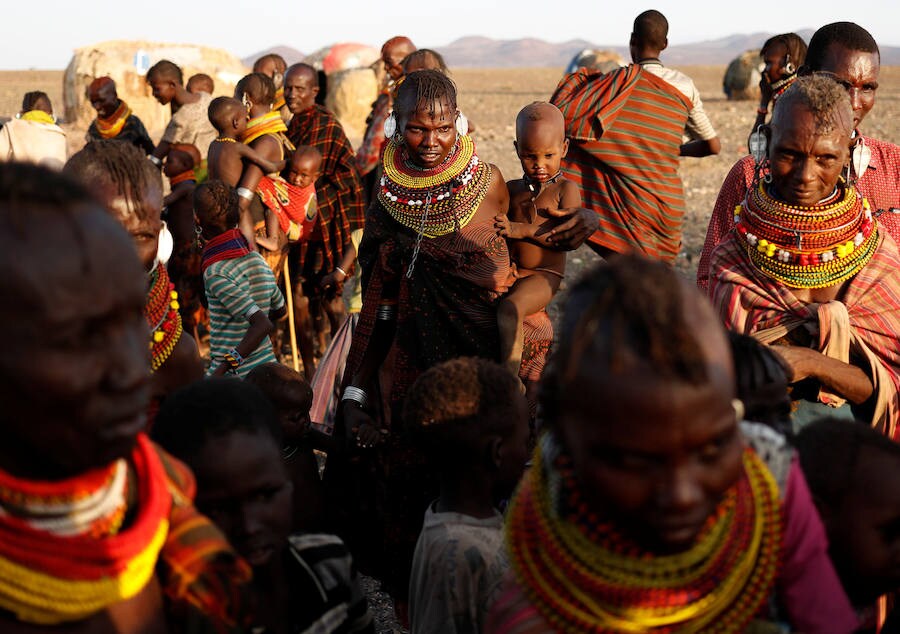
column 807, row 247
column 92, row 504
column 161, row 312
column 583, row 575
column 437, row 201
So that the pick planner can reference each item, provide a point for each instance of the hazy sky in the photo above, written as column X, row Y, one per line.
column 43, row 34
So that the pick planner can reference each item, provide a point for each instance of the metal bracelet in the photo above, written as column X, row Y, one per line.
column 386, row 312
column 245, row 193
column 154, row 160
column 356, row 395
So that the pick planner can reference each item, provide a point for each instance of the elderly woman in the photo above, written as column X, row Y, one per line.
column 807, row 269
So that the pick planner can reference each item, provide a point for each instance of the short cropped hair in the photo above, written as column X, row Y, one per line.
column 216, row 204
column 652, row 29
column 847, row 34
column 629, row 310
column 828, row 102
column 164, row 69
column 455, row 404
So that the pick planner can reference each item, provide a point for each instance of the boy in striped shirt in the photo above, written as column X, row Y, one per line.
column 241, row 292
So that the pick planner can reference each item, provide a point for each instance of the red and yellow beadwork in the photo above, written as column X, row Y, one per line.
column 451, row 192
column 583, row 575
column 161, row 312
column 807, row 247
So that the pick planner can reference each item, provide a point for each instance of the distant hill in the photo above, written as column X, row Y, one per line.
column 290, row 55
column 479, row 51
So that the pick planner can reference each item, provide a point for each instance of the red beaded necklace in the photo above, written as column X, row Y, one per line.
column 584, row 575
column 161, row 312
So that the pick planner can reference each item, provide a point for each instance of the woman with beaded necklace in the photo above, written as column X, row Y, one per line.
column 432, row 271
column 807, row 268
column 650, row 506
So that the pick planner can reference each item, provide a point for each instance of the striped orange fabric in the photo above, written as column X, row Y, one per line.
column 750, row 302
column 625, row 129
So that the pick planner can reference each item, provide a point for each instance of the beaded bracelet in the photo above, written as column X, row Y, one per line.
column 233, row 358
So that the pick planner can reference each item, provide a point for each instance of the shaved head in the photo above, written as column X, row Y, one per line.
column 547, row 114
column 304, row 70
column 394, row 51
column 222, row 110
column 399, row 43
column 102, row 82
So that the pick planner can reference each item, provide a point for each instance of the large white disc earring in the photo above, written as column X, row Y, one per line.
column 166, row 244
column 462, row 124
column 390, row 126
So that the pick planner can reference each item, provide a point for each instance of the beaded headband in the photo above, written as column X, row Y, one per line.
column 807, row 247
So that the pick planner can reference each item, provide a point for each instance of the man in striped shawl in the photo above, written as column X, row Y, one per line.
column 625, row 130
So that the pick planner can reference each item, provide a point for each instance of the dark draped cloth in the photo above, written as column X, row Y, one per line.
column 132, row 132
column 445, row 309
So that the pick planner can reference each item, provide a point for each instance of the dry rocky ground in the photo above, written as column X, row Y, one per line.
column 492, row 97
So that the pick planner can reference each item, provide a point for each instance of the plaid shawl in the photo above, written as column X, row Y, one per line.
column 207, row 585
column 339, row 190
column 625, row 129
column 753, row 304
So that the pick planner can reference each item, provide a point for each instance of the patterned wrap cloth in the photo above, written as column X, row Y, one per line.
column 338, row 190
column 625, row 129
column 863, row 325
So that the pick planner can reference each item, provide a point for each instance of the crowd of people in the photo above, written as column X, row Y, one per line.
column 671, row 456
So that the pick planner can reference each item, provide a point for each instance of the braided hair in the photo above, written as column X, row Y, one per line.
column 425, row 89
column 119, row 163
column 793, row 45
column 259, row 88
column 216, row 205
column 625, row 313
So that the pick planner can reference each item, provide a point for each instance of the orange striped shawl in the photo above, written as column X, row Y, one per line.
column 625, row 129
column 753, row 304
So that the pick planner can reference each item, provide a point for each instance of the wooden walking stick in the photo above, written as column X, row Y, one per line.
column 290, row 307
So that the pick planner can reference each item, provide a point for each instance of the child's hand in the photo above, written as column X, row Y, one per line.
column 268, row 243
column 501, row 224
